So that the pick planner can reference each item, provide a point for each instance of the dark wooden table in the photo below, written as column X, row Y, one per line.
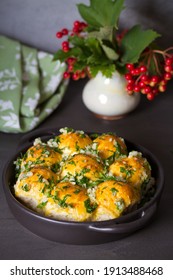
column 150, row 125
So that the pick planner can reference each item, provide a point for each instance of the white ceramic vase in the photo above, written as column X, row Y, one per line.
column 107, row 98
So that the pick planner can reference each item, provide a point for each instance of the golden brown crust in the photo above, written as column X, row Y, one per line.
column 32, row 187
column 41, row 155
column 134, row 170
column 82, row 165
column 67, row 202
column 113, row 199
column 110, row 145
column 72, row 142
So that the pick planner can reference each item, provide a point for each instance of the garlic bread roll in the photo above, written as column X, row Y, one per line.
column 42, row 155
column 134, row 169
column 82, row 168
column 34, row 186
column 71, row 142
column 110, row 146
column 69, row 202
column 113, row 199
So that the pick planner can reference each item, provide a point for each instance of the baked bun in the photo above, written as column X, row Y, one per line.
column 82, row 168
column 133, row 169
column 33, row 187
column 114, row 199
column 68, row 202
column 71, row 142
column 41, row 154
column 110, row 146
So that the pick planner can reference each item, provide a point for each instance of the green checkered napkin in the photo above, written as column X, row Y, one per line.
column 31, row 86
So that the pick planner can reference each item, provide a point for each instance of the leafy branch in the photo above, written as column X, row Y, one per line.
column 94, row 45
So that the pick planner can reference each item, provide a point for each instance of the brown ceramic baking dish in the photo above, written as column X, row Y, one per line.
column 80, row 232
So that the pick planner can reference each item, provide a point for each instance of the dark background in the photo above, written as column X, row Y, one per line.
column 35, row 23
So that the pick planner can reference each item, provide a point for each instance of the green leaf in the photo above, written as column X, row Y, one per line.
column 101, row 12
column 79, row 66
column 94, row 45
column 82, row 44
column 134, row 42
column 100, row 48
column 110, row 53
column 62, row 56
column 77, row 41
column 95, row 59
column 104, row 33
column 106, row 70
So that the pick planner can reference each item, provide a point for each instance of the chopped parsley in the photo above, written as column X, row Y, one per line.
column 57, row 139
column 82, row 134
column 39, row 161
column 90, row 207
column 42, row 204
column 103, row 189
column 57, row 150
column 31, row 152
column 55, row 167
column 62, row 202
column 40, row 178
column 66, row 187
column 27, row 166
column 82, row 180
column 77, row 191
column 128, row 171
column 25, row 155
column 118, row 149
column 48, row 187
column 77, row 147
column 18, row 166
column 110, row 159
column 114, row 191
column 66, row 130
column 94, row 135
column 45, row 152
column 25, row 188
column 72, row 162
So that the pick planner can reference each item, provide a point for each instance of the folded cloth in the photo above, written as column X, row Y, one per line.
column 31, row 86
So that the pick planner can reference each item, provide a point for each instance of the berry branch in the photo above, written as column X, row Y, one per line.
column 143, row 78
column 78, row 29
column 95, row 45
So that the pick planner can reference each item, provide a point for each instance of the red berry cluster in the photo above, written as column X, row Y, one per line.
column 76, row 75
column 78, row 28
column 140, row 80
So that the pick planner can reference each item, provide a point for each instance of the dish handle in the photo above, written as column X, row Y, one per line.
column 129, row 227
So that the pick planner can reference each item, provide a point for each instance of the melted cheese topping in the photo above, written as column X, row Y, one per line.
column 67, row 202
column 113, row 199
column 81, row 167
column 134, row 169
column 110, row 146
column 71, row 143
column 41, row 155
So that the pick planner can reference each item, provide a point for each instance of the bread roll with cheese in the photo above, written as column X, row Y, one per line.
column 114, row 199
column 133, row 169
column 85, row 169
column 110, row 146
column 71, row 142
